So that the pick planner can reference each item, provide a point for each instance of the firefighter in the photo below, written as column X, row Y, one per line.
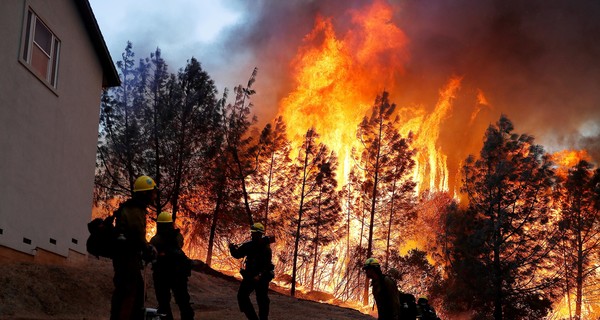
column 425, row 311
column 258, row 271
column 128, row 296
column 171, row 269
column 384, row 291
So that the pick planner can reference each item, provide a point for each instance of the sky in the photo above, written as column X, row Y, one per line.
column 537, row 61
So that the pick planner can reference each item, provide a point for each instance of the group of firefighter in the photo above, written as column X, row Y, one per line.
column 391, row 303
column 171, row 268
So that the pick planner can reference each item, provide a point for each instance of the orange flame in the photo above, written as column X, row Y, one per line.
column 338, row 78
column 432, row 171
column 482, row 102
column 568, row 158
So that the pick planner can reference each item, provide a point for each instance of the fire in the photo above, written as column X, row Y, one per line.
column 337, row 78
column 432, row 171
column 568, row 158
column 482, row 102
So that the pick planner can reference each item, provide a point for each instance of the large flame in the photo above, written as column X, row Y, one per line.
column 338, row 77
column 568, row 158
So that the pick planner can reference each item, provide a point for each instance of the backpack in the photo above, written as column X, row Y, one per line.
column 427, row 312
column 408, row 306
column 103, row 236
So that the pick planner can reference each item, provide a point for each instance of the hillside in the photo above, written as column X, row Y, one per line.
column 32, row 291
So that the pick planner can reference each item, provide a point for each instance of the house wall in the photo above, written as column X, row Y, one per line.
column 47, row 137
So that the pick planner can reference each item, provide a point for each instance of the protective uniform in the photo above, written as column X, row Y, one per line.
column 128, row 296
column 385, row 292
column 425, row 311
column 257, row 273
column 171, row 269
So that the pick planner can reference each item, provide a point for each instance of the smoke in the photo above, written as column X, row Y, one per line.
column 535, row 61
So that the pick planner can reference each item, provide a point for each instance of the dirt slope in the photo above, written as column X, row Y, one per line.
column 31, row 291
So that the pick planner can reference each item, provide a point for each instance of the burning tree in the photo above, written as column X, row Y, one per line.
column 579, row 196
column 500, row 246
column 386, row 159
column 325, row 211
column 315, row 164
column 270, row 184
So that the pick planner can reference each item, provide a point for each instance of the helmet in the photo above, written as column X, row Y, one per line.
column 257, row 227
column 164, row 217
column 371, row 263
column 422, row 300
column 143, row 183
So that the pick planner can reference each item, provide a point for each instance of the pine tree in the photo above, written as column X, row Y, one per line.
column 192, row 127
column 312, row 158
column 240, row 149
column 272, row 179
column 505, row 236
column 382, row 150
column 324, row 216
column 579, row 196
column 121, row 141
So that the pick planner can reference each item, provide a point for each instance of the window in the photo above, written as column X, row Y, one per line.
column 41, row 49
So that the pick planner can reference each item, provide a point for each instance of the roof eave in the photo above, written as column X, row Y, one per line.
column 110, row 76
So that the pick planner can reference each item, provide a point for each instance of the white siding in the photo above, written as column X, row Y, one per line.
column 47, row 139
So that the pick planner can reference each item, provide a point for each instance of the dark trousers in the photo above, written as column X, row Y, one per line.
column 127, row 301
column 166, row 281
column 262, row 288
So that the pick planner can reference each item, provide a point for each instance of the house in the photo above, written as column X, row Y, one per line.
column 54, row 65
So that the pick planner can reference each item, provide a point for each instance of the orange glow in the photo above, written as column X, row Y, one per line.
column 568, row 158
column 431, row 169
column 482, row 102
column 338, row 77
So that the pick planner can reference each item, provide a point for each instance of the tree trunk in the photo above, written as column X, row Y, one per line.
column 315, row 256
column 579, row 277
column 373, row 202
column 297, row 240
column 497, row 281
column 269, row 189
column 389, row 233
column 236, row 158
column 213, row 230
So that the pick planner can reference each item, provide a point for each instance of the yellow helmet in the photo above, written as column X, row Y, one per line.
column 257, row 227
column 371, row 263
column 143, row 183
column 164, row 217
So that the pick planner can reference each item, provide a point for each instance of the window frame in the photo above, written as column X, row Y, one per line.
column 29, row 45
